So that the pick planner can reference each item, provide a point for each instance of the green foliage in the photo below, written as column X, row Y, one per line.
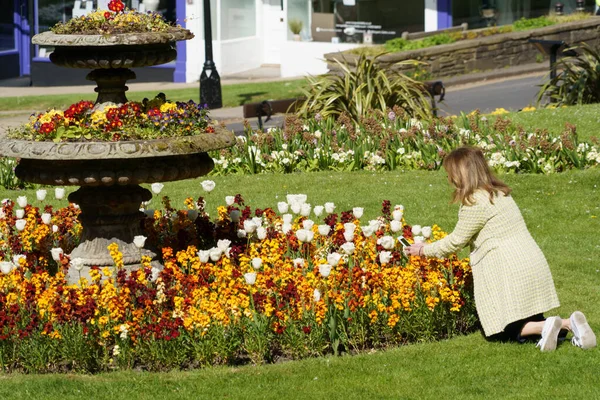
column 295, row 26
column 400, row 44
column 578, row 81
column 363, row 88
column 525, row 24
column 8, row 179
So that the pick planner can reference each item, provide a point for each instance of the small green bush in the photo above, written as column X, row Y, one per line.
column 525, row 24
column 400, row 44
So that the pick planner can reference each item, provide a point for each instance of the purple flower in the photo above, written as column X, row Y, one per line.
column 512, row 142
column 318, row 117
column 392, row 116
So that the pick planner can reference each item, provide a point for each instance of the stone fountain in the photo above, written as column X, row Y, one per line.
column 109, row 174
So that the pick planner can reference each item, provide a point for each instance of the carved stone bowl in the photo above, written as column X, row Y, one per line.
column 115, row 163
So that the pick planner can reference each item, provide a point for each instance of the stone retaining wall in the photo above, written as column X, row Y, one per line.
column 482, row 54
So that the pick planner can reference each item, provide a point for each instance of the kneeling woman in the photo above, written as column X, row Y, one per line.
column 512, row 281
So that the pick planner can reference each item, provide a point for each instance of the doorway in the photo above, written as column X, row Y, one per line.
column 274, row 30
column 14, row 41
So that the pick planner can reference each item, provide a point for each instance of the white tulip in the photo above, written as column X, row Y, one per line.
column 235, row 215
column 333, row 259
column 46, row 218
column 250, row 277
column 385, row 257
column 324, row 230
column 139, row 241
column 304, row 236
column 308, row 224
column 375, row 223
column 416, row 230
column 6, row 201
column 207, row 185
column 250, row 226
column 399, row 207
column 41, row 194
column 329, row 207
column 387, row 242
column 395, row 225
column 258, row 221
column 77, row 263
column 241, row 233
column 22, row 201
column 285, row 227
column 20, row 224
column 287, row 218
column 397, row 215
column 348, row 248
column 261, row 233
column 283, row 207
column 419, row 239
column 6, row 267
column 56, row 253
column 298, row 262
column 318, row 210
column 229, row 200
column 223, row 244
column 349, row 227
column 317, row 295
column 368, row 230
column 256, row 262
column 324, row 270
column 59, row 193
column 305, row 210
column 358, row 212
column 17, row 259
column 157, row 187
column 215, row 254
column 203, row 255
column 20, row 213
column 296, row 198
column 349, row 236
column 54, row 228
column 296, row 208
column 426, row 231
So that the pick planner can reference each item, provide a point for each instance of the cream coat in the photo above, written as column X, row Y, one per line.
column 511, row 277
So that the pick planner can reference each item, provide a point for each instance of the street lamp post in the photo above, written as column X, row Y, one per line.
column 210, row 82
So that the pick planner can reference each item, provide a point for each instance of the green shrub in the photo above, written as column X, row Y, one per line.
column 400, row 44
column 578, row 81
column 8, row 179
column 364, row 88
column 525, row 24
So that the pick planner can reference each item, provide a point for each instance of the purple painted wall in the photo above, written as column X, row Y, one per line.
column 444, row 8
column 179, row 74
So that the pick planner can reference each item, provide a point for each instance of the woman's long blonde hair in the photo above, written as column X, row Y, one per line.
column 468, row 171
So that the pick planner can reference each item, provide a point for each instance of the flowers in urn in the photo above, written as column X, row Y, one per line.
column 150, row 119
column 117, row 19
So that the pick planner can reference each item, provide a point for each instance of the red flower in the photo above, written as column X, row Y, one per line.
column 210, row 129
column 107, row 15
column 116, row 5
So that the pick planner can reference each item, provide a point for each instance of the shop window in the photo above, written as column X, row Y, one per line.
column 238, row 19
column 7, row 30
column 49, row 12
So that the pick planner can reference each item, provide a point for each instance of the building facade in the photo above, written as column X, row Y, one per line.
column 250, row 33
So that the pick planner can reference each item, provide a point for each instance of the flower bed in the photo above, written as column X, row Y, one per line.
column 266, row 286
column 150, row 119
column 395, row 142
column 117, row 19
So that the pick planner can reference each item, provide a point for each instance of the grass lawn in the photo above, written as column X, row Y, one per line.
column 233, row 96
column 563, row 214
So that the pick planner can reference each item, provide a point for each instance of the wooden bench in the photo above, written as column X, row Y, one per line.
column 268, row 108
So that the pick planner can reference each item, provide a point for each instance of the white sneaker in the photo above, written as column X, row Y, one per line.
column 550, row 334
column 583, row 335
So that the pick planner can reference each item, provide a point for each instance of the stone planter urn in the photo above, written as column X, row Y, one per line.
column 109, row 174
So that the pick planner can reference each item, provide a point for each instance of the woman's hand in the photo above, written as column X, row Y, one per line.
column 416, row 249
